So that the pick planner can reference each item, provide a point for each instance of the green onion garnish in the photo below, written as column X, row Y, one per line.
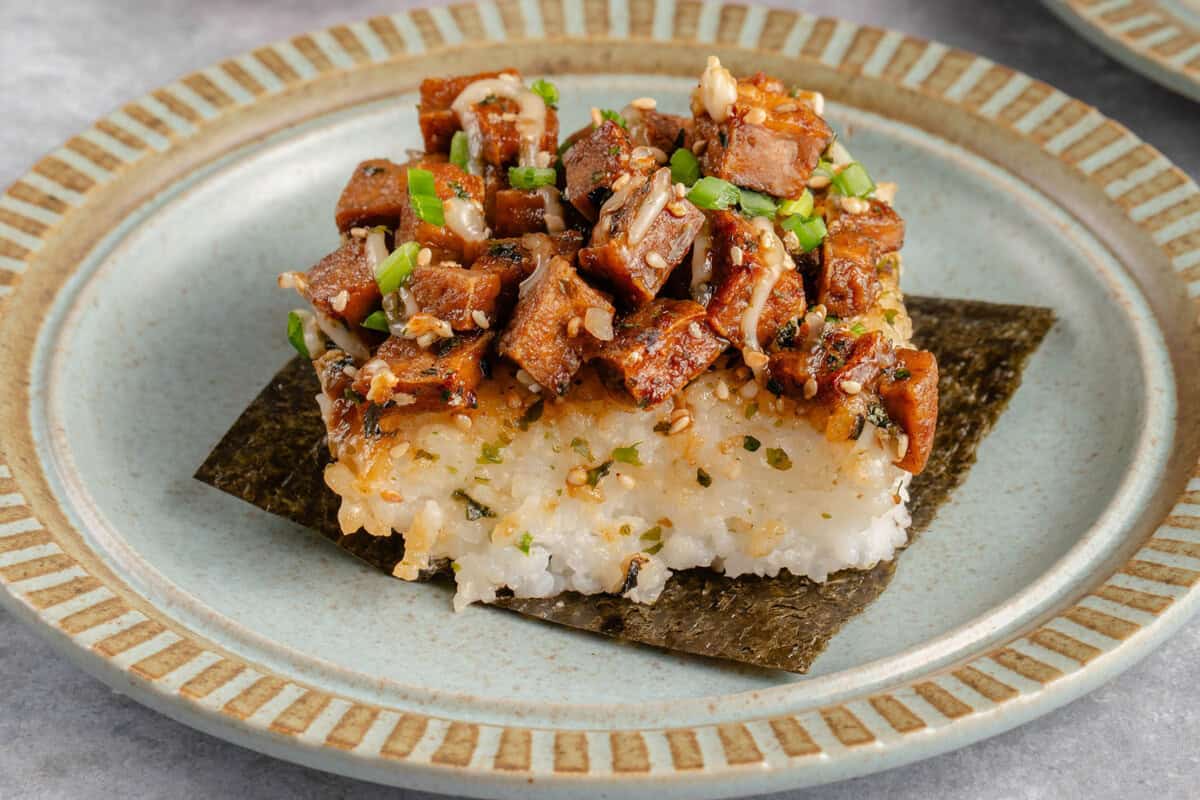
column 627, row 455
column 526, row 541
column 596, row 473
column 751, row 410
column 650, row 551
column 653, row 534
column 858, row 329
column 778, row 458
column 547, row 91
column 824, row 168
column 685, row 167
column 890, row 316
column 531, row 177
column 902, row 374
column 750, row 443
column 420, row 182
column 429, row 208
column 801, row 206
column 756, row 204
column 394, row 271
column 608, row 113
column 853, row 181
column 460, row 150
column 712, row 194
column 295, row 333
column 376, row 321
column 810, row 232
column 475, row 510
column 489, row 453
column 580, row 445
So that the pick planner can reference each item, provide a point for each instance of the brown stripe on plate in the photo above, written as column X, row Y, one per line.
column 312, row 52
column 514, row 752
column 405, row 736
column 1184, row 208
column 738, row 744
column 729, row 23
column 1160, row 573
column 423, row 21
column 15, row 513
column 552, row 19
column 202, row 85
column 1030, row 98
column 818, row 38
column 595, row 17
column 37, row 568
column 36, row 197
column 1142, row 601
column 1066, row 116
column 846, row 727
column 687, row 20
column 1026, row 666
column 641, row 20
column 147, row 120
column 166, row 661
column 1064, row 645
column 212, row 678
column 685, row 750
column 570, row 751
column 176, row 106
column 793, row 739
column 906, row 55
column 1174, row 547
column 1192, row 498
column 776, row 29
column 10, row 249
column 1185, row 245
column 129, row 638
column 1100, row 138
column 948, row 70
column 63, row 174
column 269, row 57
column 242, row 77
column 898, row 715
column 514, row 23
column 117, row 133
column 55, row 595
column 23, row 541
column 458, row 745
column 296, row 718
column 1126, row 165
column 88, row 618
column 995, row 79
column 254, row 697
column 947, row 704
column 94, row 153
column 985, row 684
column 467, row 20
column 1100, row 622
column 352, row 727
column 348, row 40
column 629, row 753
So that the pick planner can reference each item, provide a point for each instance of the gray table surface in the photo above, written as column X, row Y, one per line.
column 64, row 734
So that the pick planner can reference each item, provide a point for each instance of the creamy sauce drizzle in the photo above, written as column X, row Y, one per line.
column 531, row 119
column 718, row 90
column 701, row 266
column 543, row 253
column 777, row 262
column 552, row 209
column 652, row 206
column 465, row 218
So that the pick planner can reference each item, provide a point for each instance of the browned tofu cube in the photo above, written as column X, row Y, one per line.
column 770, row 142
column 910, row 395
column 455, row 187
column 460, row 296
column 740, row 266
column 520, row 211
column 541, row 337
column 643, row 234
column 659, row 349
column 514, row 260
column 880, row 223
column 375, row 195
column 410, row 376
column 592, row 164
column 342, row 284
column 848, row 283
column 497, row 117
column 652, row 128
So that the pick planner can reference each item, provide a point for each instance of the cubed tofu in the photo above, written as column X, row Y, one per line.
column 514, row 260
column 460, row 237
column 910, row 396
column 652, row 128
column 438, row 122
column 541, row 337
column 342, row 284
column 376, row 194
column 770, row 142
column 659, row 349
column 848, row 282
column 741, row 265
column 459, row 296
column 592, row 164
column 445, row 375
column 644, row 232
column 520, row 211
column 880, row 223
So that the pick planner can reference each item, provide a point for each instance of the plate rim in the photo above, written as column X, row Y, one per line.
column 125, row 642
column 1137, row 47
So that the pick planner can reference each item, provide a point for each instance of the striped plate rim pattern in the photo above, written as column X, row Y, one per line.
column 165, row 658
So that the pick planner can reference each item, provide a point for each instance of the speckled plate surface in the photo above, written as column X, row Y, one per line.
column 140, row 315
column 1158, row 38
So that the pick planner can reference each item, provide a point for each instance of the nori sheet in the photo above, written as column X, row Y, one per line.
column 274, row 457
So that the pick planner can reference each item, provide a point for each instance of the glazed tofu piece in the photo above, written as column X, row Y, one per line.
column 910, row 395
column 464, row 298
column 407, row 375
column 497, row 105
column 342, row 284
column 463, row 231
column 744, row 289
column 755, row 135
column 592, row 164
column 659, row 349
column 848, row 283
column 376, row 194
column 653, row 128
column 556, row 326
column 520, row 211
column 644, row 232
column 513, row 260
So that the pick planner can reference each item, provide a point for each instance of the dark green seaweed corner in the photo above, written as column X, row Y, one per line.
column 274, row 457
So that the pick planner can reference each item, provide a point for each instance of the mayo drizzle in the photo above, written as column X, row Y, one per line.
column 777, row 262
column 465, row 218
column 652, row 206
column 531, row 119
column 701, row 266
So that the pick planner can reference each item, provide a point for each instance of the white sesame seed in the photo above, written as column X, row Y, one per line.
column 756, row 116
column 480, row 319
column 694, row 330
column 699, row 146
column 577, row 476
column 677, row 209
column 645, row 104
column 399, row 450
column 599, row 323
column 810, row 388
column 573, row 326
column 426, row 339
column 658, row 154
column 463, row 422
column 736, row 255
column 901, row 445
column 851, row 387
column 680, row 190
column 635, row 357
column 621, row 181
column 679, row 413
column 340, row 300
column 749, row 390
column 755, row 360
column 627, row 481
column 885, row 192
column 424, row 256
column 680, row 425
column 722, row 389
column 855, row 205
column 656, row 260
column 818, row 181
column 791, row 241
column 785, row 108
column 358, row 233
column 350, row 371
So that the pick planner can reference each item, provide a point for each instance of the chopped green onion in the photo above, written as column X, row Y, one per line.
column 750, row 443
column 890, row 316
column 801, row 206
column 703, row 478
column 525, row 543
column 712, row 194
column 627, row 455
column 858, row 329
column 460, row 150
column 596, row 473
column 824, row 168
column 295, row 333
column 376, row 321
column 756, row 204
column 425, row 455
column 394, row 271
column 654, row 550
column 653, row 534
column 809, row 232
column 547, row 91
column 778, row 458
column 475, row 510
column 608, row 113
column 751, row 410
column 580, row 445
column 902, row 374
column 429, row 208
column 854, row 181
column 531, row 177
column 685, row 167
column 489, row 453
column 455, row 566
column 420, row 182
column 625, row 530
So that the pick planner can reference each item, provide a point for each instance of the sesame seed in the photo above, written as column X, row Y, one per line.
column 901, row 445
column 463, row 422
column 635, row 357
column 680, row 425
column 699, row 146
column 755, row 360
column 756, row 116
column 597, row 119
column 680, row 190
column 480, row 319
column 677, row 209
column 599, row 323
column 851, row 387
column 399, row 450
column 679, row 413
column 573, row 326
column 885, row 192
column 426, row 339
column 855, row 205
column 350, row 371
column 340, row 300
column 810, row 389
column 818, row 182
column 645, row 104
column 694, row 330
column 358, row 233
column 621, row 181
column 577, row 476
column 656, row 260
column 722, row 389
column 749, row 390
column 658, row 154
column 626, row 480
column 424, row 256
column 391, row 496
column 736, row 255
column 786, row 108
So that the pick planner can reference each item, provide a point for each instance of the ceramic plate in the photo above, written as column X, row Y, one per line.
column 141, row 317
column 1158, row 38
